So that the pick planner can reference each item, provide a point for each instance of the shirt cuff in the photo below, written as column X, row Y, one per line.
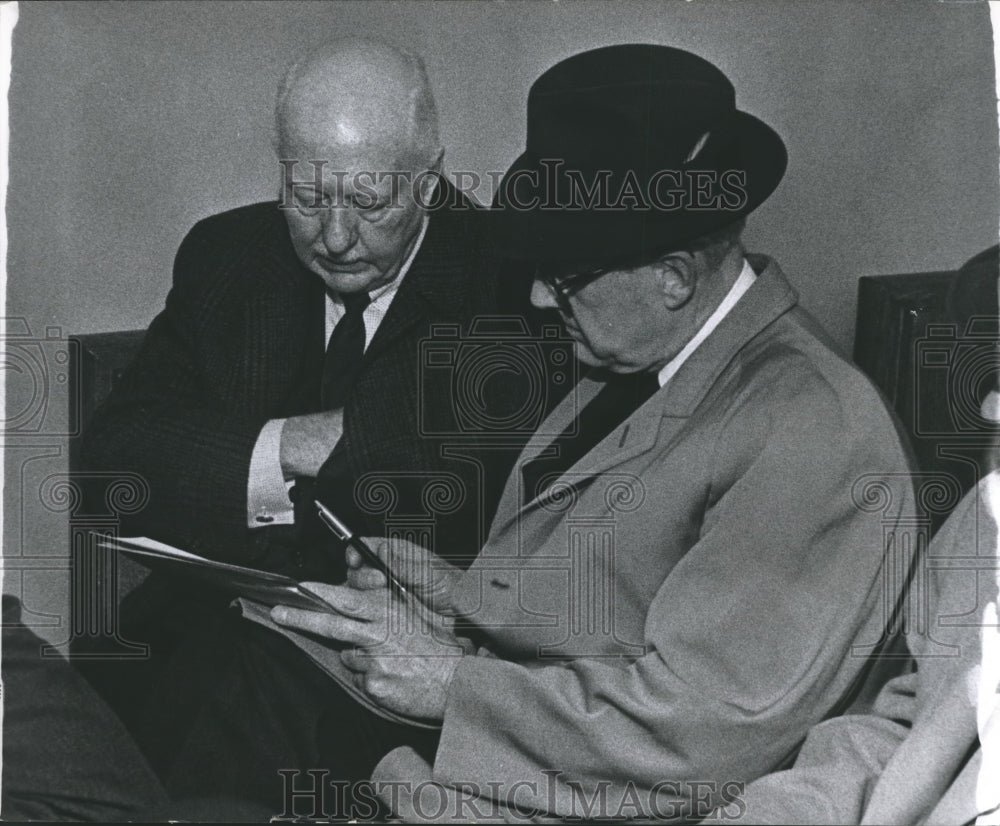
column 267, row 490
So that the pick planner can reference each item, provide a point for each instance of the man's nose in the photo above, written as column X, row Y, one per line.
column 340, row 230
column 541, row 295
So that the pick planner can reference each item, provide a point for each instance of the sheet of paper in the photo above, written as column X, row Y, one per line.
column 261, row 586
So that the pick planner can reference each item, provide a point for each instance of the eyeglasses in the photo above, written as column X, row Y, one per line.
column 564, row 287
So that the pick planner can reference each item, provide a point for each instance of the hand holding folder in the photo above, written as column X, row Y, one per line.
column 372, row 638
column 399, row 653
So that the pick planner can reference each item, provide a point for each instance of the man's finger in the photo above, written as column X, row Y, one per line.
column 377, row 544
column 397, row 549
column 349, row 657
column 365, row 578
column 403, row 550
column 370, row 605
column 329, row 626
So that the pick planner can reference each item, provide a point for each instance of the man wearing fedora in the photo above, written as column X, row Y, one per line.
column 684, row 560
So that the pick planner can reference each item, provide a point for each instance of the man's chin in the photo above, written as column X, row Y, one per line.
column 588, row 357
column 602, row 368
column 350, row 281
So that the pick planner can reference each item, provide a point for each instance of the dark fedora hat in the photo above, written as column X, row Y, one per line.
column 631, row 150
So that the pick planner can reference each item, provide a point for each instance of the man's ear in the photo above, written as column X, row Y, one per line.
column 677, row 278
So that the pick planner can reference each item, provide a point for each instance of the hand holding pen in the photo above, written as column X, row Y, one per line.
column 360, row 548
column 407, row 569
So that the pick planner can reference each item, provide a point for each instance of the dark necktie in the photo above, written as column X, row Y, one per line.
column 621, row 396
column 344, row 352
column 341, row 366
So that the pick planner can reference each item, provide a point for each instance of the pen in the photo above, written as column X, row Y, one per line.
column 342, row 532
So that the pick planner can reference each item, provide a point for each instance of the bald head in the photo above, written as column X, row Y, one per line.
column 359, row 98
column 351, row 117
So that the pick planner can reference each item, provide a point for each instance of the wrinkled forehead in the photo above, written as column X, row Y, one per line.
column 335, row 160
column 365, row 171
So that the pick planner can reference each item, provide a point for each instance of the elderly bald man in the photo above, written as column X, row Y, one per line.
column 290, row 348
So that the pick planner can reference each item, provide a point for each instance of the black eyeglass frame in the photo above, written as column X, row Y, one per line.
column 564, row 287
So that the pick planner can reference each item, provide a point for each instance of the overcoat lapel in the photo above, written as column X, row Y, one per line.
column 658, row 420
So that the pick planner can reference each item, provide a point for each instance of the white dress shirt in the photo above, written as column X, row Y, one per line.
column 742, row 284
column 267, row 488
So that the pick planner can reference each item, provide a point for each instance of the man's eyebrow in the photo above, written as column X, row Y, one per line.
column 378, row 192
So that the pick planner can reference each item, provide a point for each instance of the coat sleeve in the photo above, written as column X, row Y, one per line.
column 747, row 639
column 832, row 777
column 164, row 422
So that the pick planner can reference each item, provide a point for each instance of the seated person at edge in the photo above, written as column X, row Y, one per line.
column 930, row 750
column 286, row 364
column 682, row 558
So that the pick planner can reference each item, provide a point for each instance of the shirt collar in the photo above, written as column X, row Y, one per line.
column 742, row 284
column 389, row 290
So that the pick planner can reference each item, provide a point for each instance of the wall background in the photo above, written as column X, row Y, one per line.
column 131, row 121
